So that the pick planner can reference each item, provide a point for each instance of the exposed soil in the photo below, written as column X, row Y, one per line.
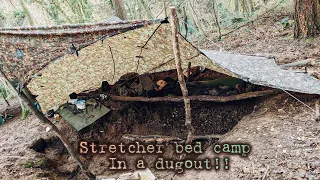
column 285, row 140
column 168, row 119
column 16, row 137
column 284, row 135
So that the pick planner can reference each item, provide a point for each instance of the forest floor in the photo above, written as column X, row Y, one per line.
column 283, row 134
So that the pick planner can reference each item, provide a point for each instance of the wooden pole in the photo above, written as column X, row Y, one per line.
column 189, row 71
column 44, row 119
column 306, row 62
column 199, row 98
column 176, row 51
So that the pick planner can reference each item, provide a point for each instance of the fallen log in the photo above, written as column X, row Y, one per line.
column 199, row 97
column 165, row 139
column 306, row 62
column 151, row 138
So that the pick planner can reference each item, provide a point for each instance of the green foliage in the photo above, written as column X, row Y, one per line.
column 29, row 164
column 86, row 7
column 81, row 12
column 41, row 163
column 1, row 15
column 285, row 23
column 19, row 17
column 309, row 40
column 225, row 16
column 87, row 10
column 3, row 92
column 53, row 12
column 25, row 113
column 238, row 20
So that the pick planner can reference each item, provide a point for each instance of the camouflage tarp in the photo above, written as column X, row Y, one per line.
column 142, row 50
column 140, row 46
column 41, row 56
column 26, row 50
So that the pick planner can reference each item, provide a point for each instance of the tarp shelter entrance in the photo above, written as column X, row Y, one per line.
column 146, row 49
column 132, row 46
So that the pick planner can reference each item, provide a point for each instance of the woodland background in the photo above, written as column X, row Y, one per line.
column 197, row 17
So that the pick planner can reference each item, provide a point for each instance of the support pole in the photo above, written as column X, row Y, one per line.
column 44, row 119
column 176, row 51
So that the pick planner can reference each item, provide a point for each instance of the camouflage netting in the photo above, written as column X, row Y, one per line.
column 146, row 49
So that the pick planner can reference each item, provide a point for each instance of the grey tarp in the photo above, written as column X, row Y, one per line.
column 264, row 71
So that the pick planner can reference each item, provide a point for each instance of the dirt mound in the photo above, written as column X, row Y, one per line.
column 285, row 143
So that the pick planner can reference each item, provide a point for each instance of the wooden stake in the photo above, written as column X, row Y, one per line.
column 176, row 51
column 189, row 72
column 62, row 137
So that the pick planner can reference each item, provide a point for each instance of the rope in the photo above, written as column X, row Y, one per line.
column 298, row 100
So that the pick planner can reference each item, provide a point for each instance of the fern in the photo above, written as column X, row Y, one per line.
column 25, row 113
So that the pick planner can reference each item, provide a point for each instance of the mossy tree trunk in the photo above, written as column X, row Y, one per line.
column 307, row 18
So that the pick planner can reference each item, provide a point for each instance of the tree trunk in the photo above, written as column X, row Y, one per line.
column 147, row 9
column 119, row 8
column 183, row 86
column 216, row 19
column 236, row 7
column 307, row 18
column 251, row 5
column 195, row 18
column 165, row 8
column 244, row 7
column 63, row 13
column 27, row 12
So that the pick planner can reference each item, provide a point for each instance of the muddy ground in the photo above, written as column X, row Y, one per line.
column 284, row 135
